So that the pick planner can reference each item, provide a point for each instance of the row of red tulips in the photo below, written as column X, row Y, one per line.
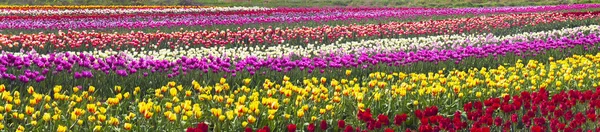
column 538, row 111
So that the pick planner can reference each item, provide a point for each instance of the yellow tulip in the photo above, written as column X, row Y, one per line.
column 127, row 126
column 300, row 113
column 247, row 81
column 222, row 117
column 91, row 89
column 97, row 128
column 29, row 110
column 101, row 118
column 251, row 119
column 30, row 90
column 8, row 107
column 118, row 89
column 113, row 121
column 20, row 128
column 61, row 128
column 57, row 88
column 173, row 92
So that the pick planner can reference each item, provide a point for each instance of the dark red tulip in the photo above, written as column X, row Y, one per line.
column 341, row 124
column 498, row 121
column 419, row 114
column 399, row 119
column 262, row 130
column 248, row 129
column 291, row 128
column 203, row 127
column 349, row 129
column 323, row 125
column 191, row 129
column 478, row 105
column 425, row 128
column 537, row 129
column 311, row 127
column 485, row 129
column 431, row 111
column 365, row 115
column 468, row 106
column 266, row 129
column 389, row 130
column 383, row 119
column 514, row 118
column 592, row 117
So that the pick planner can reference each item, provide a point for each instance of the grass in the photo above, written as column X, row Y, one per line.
column 305, row 3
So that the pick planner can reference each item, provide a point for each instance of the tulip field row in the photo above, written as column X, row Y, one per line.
column 229, row 16
column 91, row 40
column 255, row 69
column 514, row 97
column 438, row 42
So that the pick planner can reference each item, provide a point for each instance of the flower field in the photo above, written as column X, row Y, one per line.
column 330, row 69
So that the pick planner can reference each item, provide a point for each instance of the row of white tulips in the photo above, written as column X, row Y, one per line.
column 354, row 47
column 127, row 11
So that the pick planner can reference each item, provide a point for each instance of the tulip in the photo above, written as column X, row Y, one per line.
column 291, row 128
column 311, row 127
column 341, row 124
column 388, row 130
column 383, row 119
column 399, row 119
column 323, row 125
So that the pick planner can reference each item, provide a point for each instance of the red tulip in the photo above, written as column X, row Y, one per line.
column 419, row 114
column 291, row 128
column 365, row 115
column 267, row 129
column 468, row 106
column 425, row 128
column 399, row 119
column 537, row 129
column 498, row 121
column 311, row 127
column 341, row 124
column 323, row 125
column 383, row 119
column 201, row 127
column 389, row 130
column 349, row 129
column 262, row 130
column 592, row 117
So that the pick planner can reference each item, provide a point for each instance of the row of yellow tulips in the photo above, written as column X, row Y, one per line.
column 236, row 106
